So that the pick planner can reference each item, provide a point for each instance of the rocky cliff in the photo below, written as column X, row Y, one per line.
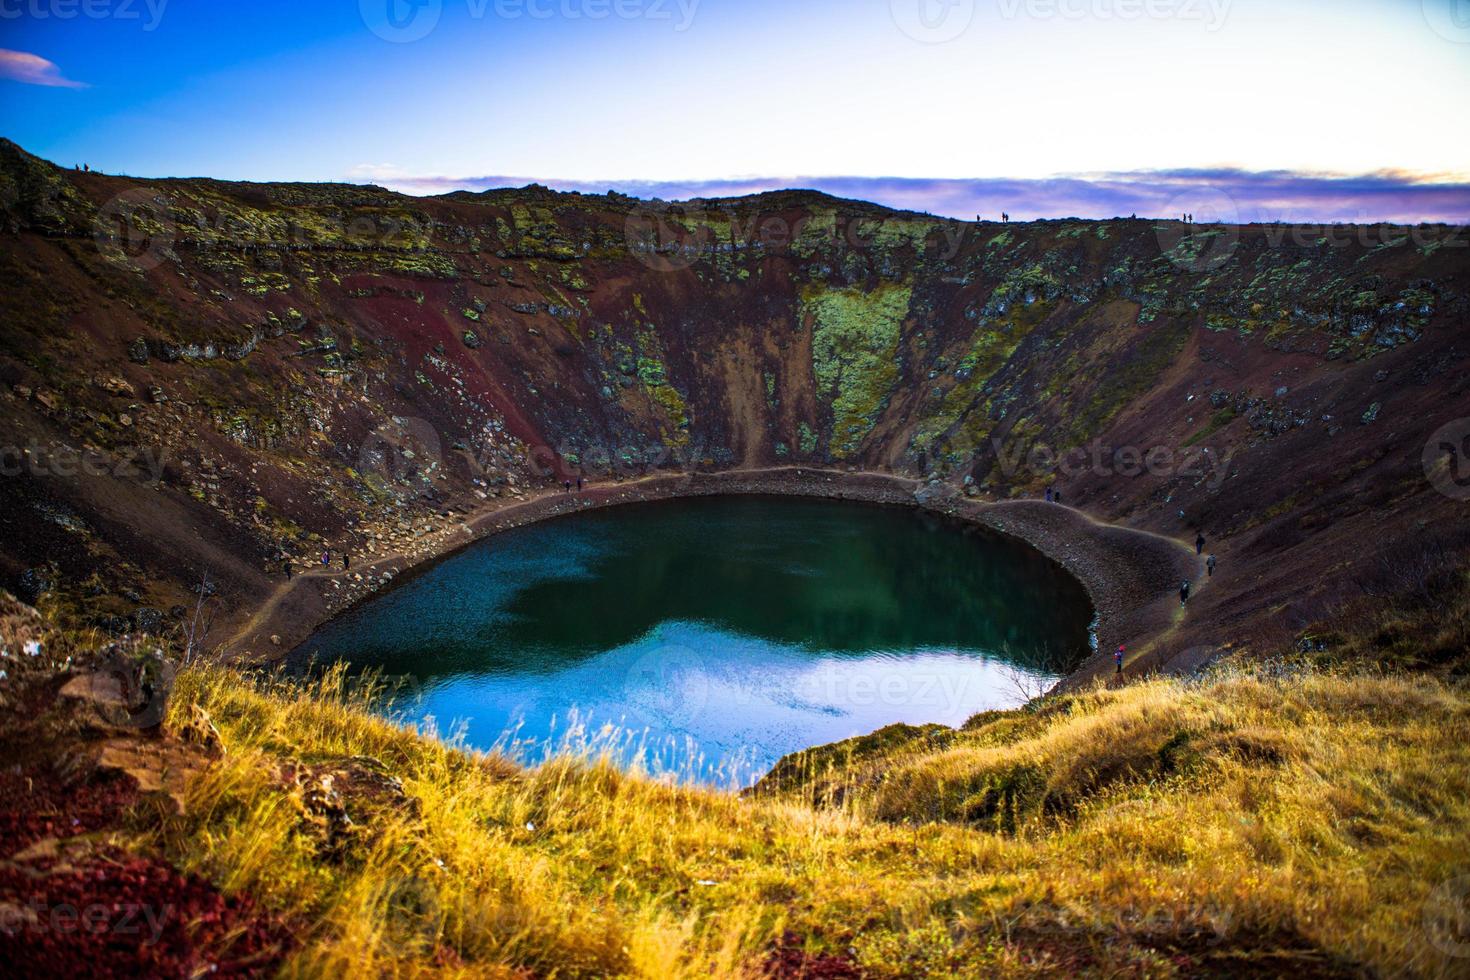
column 201, row 377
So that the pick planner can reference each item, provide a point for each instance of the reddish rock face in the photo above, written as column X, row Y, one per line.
column 339, row 366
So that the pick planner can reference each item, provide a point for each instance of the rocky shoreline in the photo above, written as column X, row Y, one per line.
column 1130, row 576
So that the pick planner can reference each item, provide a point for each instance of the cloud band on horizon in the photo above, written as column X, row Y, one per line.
column 1217, row 194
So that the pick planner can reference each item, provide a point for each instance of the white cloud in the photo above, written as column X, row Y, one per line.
column 32, row 69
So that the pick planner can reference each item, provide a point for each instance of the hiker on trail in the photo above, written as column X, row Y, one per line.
column 286, row 565
column 567, row 485
column 1057, row 496
column 1118, row 659
column 1210, row 566
column 1199, row 543
column 579, row 484
column 326, row 559
column 1048, row 494
column 346, row 561
column 1183, row 592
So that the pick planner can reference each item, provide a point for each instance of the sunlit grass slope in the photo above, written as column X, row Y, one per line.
column 1292, row 821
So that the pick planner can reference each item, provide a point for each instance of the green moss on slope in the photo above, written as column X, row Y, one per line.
column 855, row 355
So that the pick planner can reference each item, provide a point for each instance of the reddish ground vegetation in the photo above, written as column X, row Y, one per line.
column 41, row 804
column 111, row 914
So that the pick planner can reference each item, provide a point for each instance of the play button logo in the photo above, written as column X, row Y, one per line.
column 932, row 21
column 400, row 21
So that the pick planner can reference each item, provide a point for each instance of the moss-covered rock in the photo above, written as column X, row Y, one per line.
column 855, row 337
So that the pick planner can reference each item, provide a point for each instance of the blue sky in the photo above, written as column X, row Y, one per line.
column 955, row 106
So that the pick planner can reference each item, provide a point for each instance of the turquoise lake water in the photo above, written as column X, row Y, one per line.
column 708, row 637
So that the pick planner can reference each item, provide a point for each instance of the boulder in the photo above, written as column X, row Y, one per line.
column 147, row 619
column 35, row 582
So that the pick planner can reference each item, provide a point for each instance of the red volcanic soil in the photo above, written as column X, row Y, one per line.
column 111, row 914
column 42, row 805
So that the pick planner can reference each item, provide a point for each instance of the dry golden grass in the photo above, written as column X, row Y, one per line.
column 1295, row 822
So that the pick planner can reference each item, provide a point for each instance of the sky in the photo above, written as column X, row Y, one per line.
column 1252, row 109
